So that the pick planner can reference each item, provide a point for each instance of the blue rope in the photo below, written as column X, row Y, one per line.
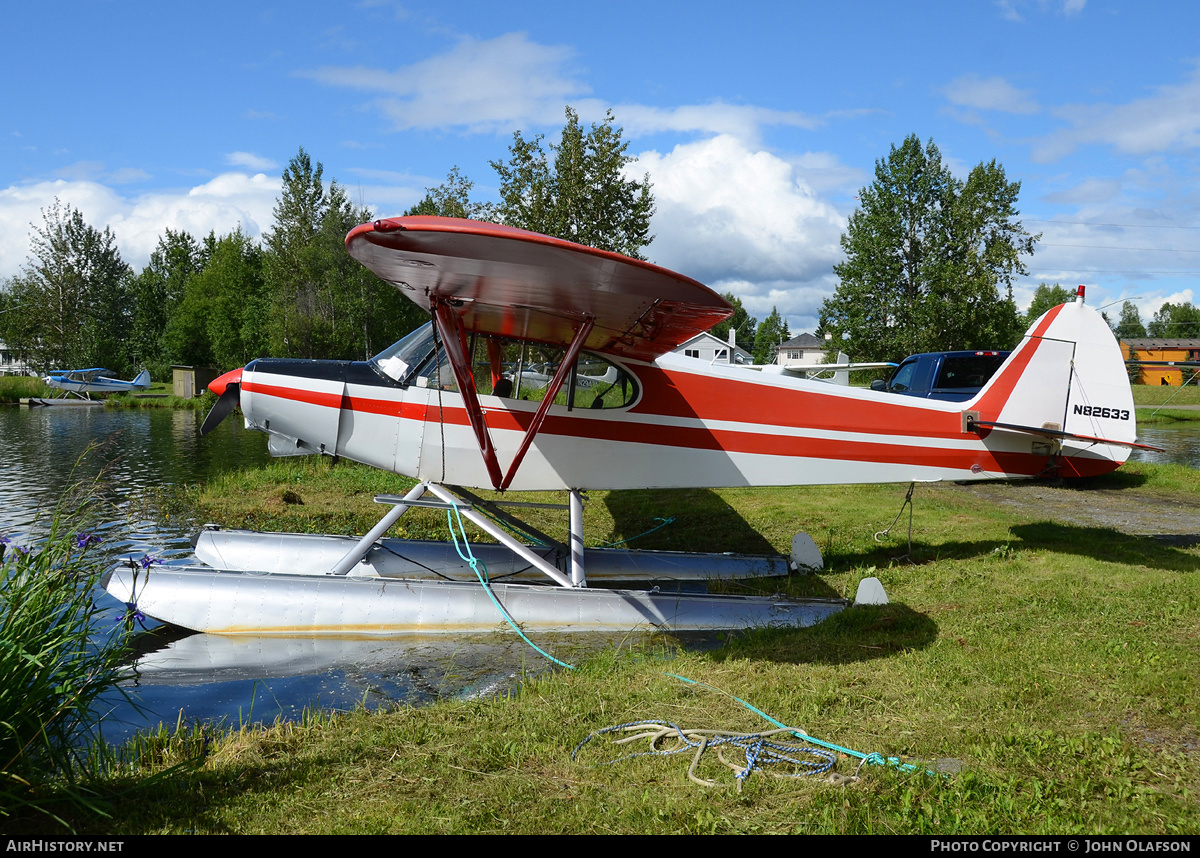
column 470, row 559
column 760, row 750
column 665, row 522
column 874, row 758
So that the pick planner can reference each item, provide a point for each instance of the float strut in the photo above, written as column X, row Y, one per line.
column 489, row 527
column 360, row 549
column 577, row 572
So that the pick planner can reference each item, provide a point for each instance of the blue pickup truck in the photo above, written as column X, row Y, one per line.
column 954, row 376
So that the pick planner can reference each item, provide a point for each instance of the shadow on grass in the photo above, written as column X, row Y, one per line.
column 1114, row 480
column 858, row 634
column 702, row 521
column 1106, row 544
column 194, row 800
column 1163, row 551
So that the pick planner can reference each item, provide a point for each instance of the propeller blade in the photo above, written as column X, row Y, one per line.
column 225, row 404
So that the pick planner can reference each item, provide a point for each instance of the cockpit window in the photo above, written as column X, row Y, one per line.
column 401, row 360
column 512, row 369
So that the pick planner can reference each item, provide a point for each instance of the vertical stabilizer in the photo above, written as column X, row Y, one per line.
column 1067, row 376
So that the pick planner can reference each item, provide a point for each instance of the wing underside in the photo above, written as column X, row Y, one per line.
column 513, row 283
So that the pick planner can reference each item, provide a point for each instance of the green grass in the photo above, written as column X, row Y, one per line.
column 1145, row 395
column 14, row 388
column 163, row 398
column 1054, row 661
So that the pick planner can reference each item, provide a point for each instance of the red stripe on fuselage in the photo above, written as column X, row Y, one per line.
column 682, row 394
column 361, row 404
column 763, row 444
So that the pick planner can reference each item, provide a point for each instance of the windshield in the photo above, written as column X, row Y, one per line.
column 400, row 360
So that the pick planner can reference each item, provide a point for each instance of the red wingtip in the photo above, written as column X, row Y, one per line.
column 218, row 385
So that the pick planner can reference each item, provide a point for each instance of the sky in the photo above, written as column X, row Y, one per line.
column 758, row 123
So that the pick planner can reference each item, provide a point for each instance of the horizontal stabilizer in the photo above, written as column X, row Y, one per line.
column 973, row 425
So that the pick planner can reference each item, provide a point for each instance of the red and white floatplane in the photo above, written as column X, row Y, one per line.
column 548, row 366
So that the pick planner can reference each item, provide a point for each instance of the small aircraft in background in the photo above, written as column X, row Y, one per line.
column 84, row 382
column 609, row 407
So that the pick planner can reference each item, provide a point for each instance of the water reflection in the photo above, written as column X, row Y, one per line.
column 243, row 679
column 209, row 677
column 1180, row 443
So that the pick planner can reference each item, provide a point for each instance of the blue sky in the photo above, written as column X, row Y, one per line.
column 758, row 122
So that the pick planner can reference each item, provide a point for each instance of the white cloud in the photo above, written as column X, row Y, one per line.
column 482, row 85
column 746, row 221
column 1166, row 121
column 1090, row 191
column 510, row 82
column 138, row 222
column 250, row 161
column 739, row 120
column 993, row 93
column 128, row 176
column 1009, row 8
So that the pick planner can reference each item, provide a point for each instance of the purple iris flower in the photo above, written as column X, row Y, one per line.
column 83, row 540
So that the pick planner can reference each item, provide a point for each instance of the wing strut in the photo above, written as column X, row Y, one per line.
column 556, row 383
column 454, row 340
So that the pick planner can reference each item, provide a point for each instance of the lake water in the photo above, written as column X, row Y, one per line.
column 209, row 677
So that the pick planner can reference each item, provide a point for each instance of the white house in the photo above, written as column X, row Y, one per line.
column 11, row 363
column 713, row 349
column 804, row 349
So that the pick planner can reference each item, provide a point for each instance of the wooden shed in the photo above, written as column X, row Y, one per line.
column 188, row 382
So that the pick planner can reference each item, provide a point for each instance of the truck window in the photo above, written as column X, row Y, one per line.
column 903, row 378
column 968, row 371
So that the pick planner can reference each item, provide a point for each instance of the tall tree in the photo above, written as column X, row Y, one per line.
column 770, row 334
column 221, row 319
column 1129, row 325
column 741, row 322
column 1175, row 321
column 292, row 265
column 71, row 303
column 930, row 260
column 584, row 195
column 156, row 292
column 1045, row 298
column 452, row 198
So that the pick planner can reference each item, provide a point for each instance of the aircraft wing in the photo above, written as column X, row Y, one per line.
column 84, row 375
column 514, row 283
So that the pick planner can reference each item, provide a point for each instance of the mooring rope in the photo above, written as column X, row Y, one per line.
column 665, row 522
column 474, row 562
column 907, row 503
column 759, row 749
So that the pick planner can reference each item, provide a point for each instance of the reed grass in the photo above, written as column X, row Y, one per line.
column 14, row 388
column 57, row 657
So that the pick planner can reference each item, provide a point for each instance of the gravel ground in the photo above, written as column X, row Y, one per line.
column 1130, row 510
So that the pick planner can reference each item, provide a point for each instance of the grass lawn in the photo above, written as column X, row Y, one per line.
column 1043, row 641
